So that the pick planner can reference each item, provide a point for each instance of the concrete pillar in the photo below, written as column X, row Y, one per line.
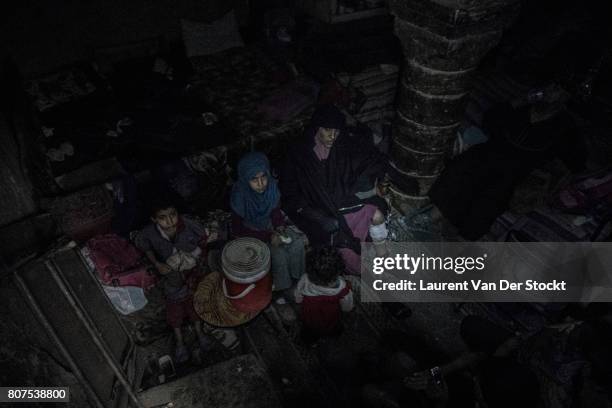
column 443, row 41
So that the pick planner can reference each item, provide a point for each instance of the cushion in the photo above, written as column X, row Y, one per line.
column 209, row 38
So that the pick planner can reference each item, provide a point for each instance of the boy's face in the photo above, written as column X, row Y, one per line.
column 167, row 219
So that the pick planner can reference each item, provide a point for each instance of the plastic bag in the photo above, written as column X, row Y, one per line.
column 126, row 299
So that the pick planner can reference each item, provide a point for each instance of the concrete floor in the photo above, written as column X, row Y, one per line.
column 239, row 382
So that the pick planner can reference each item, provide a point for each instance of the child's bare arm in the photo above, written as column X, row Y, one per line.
column 160, row 266
column 297, row 293
column 347, row 303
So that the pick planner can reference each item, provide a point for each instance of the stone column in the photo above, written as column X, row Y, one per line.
column 443, row 41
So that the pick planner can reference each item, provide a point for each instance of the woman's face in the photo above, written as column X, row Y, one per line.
column 259, row 182
column 327, row 136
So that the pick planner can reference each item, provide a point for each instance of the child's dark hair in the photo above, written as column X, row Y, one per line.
column 325, row 264
column 159, row 203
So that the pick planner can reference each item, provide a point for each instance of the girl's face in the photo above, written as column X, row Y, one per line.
column 327, row 136
column 167, row 219
column 259, row 182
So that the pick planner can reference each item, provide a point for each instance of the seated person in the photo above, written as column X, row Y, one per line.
column 476, row 186
column 175, row 244
column 560, row 351
column 325, row 175
column 491, row 358
column 255, row 203
column 323, row 295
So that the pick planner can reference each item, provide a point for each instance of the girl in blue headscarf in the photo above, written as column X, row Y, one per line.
column 255, row 203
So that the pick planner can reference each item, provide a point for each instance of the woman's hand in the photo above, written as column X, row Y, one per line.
column 566, row 327
column 275, row 240
column 418, row 381
column 162, row 268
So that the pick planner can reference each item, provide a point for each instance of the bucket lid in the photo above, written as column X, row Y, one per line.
column 245, row 260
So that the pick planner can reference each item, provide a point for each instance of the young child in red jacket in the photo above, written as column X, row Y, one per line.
column 323, row 295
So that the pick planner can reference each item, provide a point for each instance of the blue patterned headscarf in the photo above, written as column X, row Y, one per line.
column 254, row 207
